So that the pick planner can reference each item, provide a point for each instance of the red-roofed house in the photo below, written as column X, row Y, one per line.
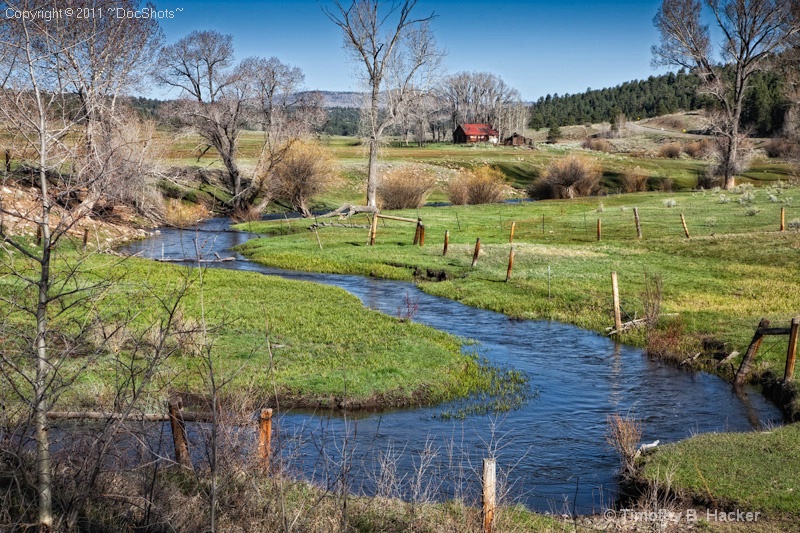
column 475, row 133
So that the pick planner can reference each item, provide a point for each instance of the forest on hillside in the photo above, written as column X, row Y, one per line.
column 764, row 108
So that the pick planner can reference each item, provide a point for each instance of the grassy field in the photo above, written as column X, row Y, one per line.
column 520, row 165
column 329, row 350
column 748, row 471
column 735, row 269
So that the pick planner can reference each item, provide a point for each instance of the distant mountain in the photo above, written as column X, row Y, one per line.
column 341, row 98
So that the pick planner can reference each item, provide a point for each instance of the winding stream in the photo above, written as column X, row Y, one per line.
column 553, row 448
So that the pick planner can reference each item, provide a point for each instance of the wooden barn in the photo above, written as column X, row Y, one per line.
column 475, row 133
column 515, row 140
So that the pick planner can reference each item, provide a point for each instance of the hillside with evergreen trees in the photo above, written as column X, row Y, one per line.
column 764, row 111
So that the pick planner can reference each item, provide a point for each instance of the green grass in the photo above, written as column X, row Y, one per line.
column 749, row 471
column 328, row 348
column 734, row 270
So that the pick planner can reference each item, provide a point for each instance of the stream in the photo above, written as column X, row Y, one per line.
column 552, row 452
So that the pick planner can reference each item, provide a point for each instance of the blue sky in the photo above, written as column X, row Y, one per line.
column 537, row 46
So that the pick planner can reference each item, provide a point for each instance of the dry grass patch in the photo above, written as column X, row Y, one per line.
column 406, row 187
column 482, row 185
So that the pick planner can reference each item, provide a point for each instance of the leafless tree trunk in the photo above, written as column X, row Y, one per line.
column 399, row 54
column 753, row 33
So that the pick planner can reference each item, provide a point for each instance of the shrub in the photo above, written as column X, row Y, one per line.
column 598, row 145
column 752, row 211
column 182, row 214
column 670, row 202
column 670, row 150
column 306, row 170
column 794, row 224
column 711, row 222
column 404, row 188
column 779, row 148
column 747, row 198
column 698, row 149
column 633, row 181
column 624, row 435
column 568, row 177
column 723, row 199
column 666, row 185
column 553, row 134
column 482, row 185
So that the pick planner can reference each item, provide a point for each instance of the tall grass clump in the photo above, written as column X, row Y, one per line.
column 405, row 188
column 482, row 185
column 780, row 148
column 670, row 150
column 598, row 145
column 569, row 177
column 698, row 149
column 180, row 214
column 633, row 181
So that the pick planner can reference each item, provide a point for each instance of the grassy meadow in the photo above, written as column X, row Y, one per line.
column 735, row 269
column 327, row 349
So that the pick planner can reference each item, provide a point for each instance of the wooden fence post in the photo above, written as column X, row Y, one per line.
column 416, row 234
column 511, row 236
column 373, row 229
column 615, row 295
column 178, row 426
column 446, row 242
column 38, row 235
column 510, row 264
column 783, row 219
column 477, row 251
column 421, row 235
column 792, row 351
column 638, row 223
column 747, row 360
column 265, row 438
column 489, row 494
column 685, row 229
column 85, row 237
column 599, row 229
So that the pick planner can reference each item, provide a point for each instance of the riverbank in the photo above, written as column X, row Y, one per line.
column 715, row 286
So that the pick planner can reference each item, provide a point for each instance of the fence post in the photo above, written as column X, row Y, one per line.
column 685, row 229
column 373, row 229
column 510, row 264
column 179, row 433
column 783, row 219
column 792, row 351
column 599, row 229
column 85, row 237
column 446, row 242
column 638, row 223
column 511, row 236
column 421, row 235
column 265, row 438
column 489, row 494
column 615, row 295
column 744, row 368
column 38, row 234
column 416, row 235
column 477, row 251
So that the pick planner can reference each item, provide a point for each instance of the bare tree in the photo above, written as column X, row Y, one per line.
column 59, row 84
column 218, row 98
column 484, row 98
column 399, row 55
column 753, row 33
